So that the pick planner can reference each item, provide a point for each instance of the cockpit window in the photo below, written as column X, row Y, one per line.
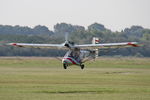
column 68, row 54
column 74, row 54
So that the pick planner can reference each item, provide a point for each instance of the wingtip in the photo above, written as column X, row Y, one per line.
column 12, row 44
column 134, row 44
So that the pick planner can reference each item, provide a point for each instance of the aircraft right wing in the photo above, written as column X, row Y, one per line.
column 108, row 45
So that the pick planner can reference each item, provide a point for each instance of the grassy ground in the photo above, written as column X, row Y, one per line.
column 45, row 79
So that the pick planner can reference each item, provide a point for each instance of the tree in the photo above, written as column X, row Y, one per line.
column 42, row 30
column 97, row 27
column 77, row 34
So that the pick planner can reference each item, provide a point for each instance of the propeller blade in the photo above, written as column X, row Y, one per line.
column 66, row 36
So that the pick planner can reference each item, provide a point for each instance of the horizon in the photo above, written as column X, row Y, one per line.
column 73, row 24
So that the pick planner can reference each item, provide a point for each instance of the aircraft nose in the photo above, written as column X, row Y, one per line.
column 64, row 61
column 68, row 61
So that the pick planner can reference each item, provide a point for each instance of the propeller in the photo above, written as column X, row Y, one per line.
column 66, row 36
column 68, row 43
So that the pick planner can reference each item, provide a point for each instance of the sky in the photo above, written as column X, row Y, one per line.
column 113, row 14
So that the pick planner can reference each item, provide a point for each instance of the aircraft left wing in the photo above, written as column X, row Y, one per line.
column 108, row 45
column 30, row 45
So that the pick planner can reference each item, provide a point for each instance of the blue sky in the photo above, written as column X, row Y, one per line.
column 114, row 14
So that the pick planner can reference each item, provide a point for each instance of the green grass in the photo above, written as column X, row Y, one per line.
column 45, row 79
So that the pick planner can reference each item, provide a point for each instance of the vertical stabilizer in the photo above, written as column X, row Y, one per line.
column 96, row 40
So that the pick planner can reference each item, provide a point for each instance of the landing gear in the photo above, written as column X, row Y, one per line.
column 65, row 66
column 82, row 66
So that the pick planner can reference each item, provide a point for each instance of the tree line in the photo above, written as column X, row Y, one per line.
column 77, row 34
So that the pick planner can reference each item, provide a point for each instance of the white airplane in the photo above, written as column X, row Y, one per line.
column 77, row 54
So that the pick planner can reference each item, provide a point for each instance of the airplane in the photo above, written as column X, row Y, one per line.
column 77, row 54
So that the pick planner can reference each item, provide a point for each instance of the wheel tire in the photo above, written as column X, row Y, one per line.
column 82, row 66
column 65, row 66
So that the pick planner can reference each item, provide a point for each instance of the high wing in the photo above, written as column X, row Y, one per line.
column 84, row 46
column 30, row 45
column 108, row 45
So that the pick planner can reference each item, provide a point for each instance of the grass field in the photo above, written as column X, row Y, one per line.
column 45, row 79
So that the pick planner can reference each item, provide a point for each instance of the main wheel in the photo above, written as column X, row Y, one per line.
column 65, row 66
column 82, row 66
